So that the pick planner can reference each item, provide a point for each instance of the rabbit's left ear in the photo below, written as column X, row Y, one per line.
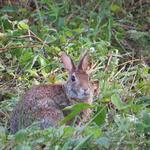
column 84, row 62
column 68, row 63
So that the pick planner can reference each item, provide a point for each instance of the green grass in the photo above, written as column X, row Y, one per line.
column 117, row 38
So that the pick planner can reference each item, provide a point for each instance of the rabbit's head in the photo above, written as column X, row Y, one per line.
column 78, row 85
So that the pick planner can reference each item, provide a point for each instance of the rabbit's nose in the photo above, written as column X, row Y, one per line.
column 86, row 91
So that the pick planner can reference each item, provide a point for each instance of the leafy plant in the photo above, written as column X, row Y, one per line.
column 116, row 35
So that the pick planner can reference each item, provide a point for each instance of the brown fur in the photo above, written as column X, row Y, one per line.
column 45, row 103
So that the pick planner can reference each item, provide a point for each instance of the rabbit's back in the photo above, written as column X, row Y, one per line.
column 42, row 104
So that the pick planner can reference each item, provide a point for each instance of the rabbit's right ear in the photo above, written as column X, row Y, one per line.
column 84, row 62
column 68, row 63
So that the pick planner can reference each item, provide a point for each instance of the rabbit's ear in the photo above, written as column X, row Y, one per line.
column 67, row 61
column 83, row 64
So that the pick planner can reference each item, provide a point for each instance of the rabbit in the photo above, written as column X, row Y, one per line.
column 45, row 103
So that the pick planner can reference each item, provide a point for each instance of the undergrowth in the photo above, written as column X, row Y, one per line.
column 116, row 35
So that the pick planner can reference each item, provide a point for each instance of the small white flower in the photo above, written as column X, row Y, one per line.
column 92, row 49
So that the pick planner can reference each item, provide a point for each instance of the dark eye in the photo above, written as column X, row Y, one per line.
column 73, row 78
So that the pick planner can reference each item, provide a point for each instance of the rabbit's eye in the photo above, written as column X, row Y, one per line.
column 73, row 78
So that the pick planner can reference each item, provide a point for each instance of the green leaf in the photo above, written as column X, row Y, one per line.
column 103, row 141
column 79, row 106
column 139, row 127
column 23, row 147
column 21, row 136
column 8, row 9
column 95, row 130
column 83, row 141
column 2, row 67
column 115, row 99
column 66, row 145
column 143, row 100
column 116, row 8
column 3, row 36
column 76, row 109
column 26, row 58
column 22, row 25
column 2, row 132
column 3, row 137
column 100, row 116
column 146, row 118
column 43, row 61
column 68, row 132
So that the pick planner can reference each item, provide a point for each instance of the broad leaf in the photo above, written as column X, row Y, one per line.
column 83, row 142
column 100, row 116
column 103, row 141
column 75, row 110
column 115, row 99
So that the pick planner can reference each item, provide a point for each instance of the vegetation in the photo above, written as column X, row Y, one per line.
column 116, row 34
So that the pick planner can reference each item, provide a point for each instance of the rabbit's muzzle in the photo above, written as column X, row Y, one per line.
column 78, row 93
column 85, row 92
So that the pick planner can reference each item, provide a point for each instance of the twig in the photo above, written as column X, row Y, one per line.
column 39, row 13
column 117, row 40
column 127, row 27
column 114, row 75
column 133, row 81
column 109, row 60
column 133, row 60
column 35, row 36
column 18, row 46
column 120, row 142
column 93, row 67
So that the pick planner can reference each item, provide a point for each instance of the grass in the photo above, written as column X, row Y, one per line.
column 116, row 35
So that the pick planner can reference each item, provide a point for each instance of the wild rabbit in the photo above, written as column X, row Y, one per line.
column 45, row 103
